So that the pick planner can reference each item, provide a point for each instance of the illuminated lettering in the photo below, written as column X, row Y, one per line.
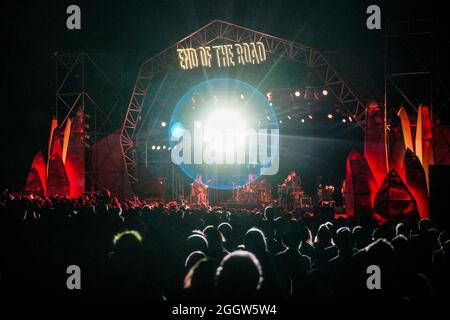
column 227, row 55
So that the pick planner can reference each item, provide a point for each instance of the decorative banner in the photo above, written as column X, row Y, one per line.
column 107, row 162
column 57, row 182
column 53, row 126
column 406, row 128
column 36, row 182
column 417, row 183
column 394, row 201
column 75, row 159
column 424, row 139
column 66, row 139
column 360, row 187
column 375, row 142
column 396, row 146
column 227, row 55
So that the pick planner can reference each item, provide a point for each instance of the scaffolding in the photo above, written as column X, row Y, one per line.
column 92, row 82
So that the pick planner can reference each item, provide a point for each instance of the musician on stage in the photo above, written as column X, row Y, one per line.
column 293, row 184
column 200, row 190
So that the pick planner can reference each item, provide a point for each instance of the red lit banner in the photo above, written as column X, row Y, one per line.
column 34, row 183
column 394, row 201
column 66, row 139
column 75, row 158
column 396, row 145
column 375, row 144
column 53, row 126
column 424, row 138
column 417, row 183
column 40, row 167
column 406, row 128
column 57, row 181
column 360, row 187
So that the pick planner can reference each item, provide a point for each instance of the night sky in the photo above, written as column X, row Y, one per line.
column 136, row 30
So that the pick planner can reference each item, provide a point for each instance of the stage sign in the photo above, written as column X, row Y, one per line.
column 227, row 55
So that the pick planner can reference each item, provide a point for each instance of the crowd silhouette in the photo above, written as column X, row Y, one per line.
column 146, row 250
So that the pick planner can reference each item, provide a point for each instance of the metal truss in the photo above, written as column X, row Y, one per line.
column 92, row 82
column 224, row 31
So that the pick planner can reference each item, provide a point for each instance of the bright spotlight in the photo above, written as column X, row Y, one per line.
column 303, row 120
column 350, row 118
column 297, row 93
column 164, row 147
column 325, row 92
column 158, row 148
column 153, row 147
column 344, row 120
column 163, row 124
column 281, row 121
column 177, row 130
column 289, row 117
column 310, row 116
column 330, row 116
column 242, row 96
column 223, row 121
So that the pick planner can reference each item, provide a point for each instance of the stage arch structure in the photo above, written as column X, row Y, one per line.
column 209, row 48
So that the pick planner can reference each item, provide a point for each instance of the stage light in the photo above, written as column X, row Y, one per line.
column 223, row 121
column 325, row 92
column 164, row 147
column 158, row 148
column 350, row 118
column 344, row 121
column 242, row 96
column 153, row 147
column 270, row 104
column 289, row 117
column 310, row 116
column 297, row 93
column 169, row 148
column 303, row 120
column 281, row 121
column 268, row 118
column 177, row 130
column 330, row 116
column 163, row 124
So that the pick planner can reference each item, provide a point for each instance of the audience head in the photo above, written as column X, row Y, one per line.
column 323, row 235
column 239, row 275
column 197, row 242
column 193, row 258
column 305, row 235
column 255, row 241
column 343, row 238
column 127, row 245
column 200, row 279
column 214, row 237
column 402, row 229
column 269, row 213
column 424, row 225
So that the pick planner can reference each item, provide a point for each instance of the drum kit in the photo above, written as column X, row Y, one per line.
column 298, row 197
column 255, row 192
